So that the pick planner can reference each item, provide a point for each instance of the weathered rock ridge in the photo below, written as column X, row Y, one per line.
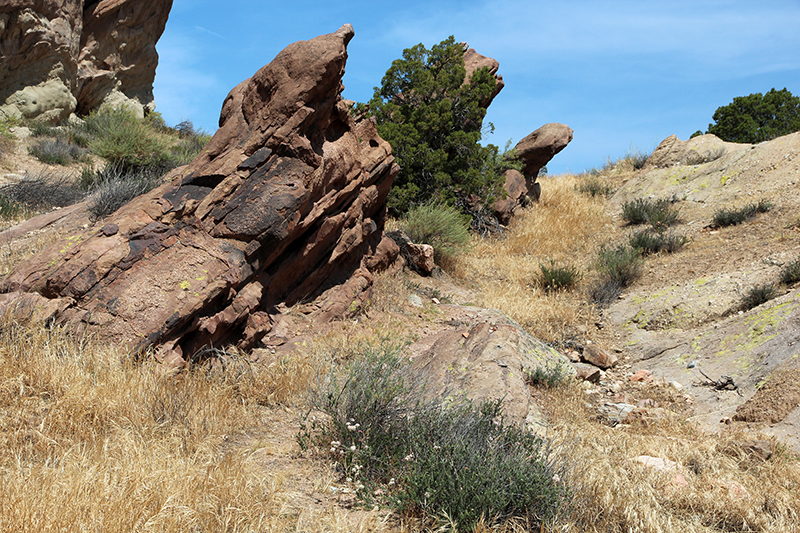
column 286, row 201
column 62, row 56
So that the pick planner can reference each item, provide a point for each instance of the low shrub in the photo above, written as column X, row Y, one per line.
column 790, row 273
column 548, row 376
column 594, row 186
column 44, row 190
column 620, row 263
column 115, row 186
column 733, row 216
column 618, row 266
column 465, row 464
column 429, row 457
column 758, row 295
column 558, row 277
column 56, row 151
column 658, row 213
column 650, row 241
column 439, row 225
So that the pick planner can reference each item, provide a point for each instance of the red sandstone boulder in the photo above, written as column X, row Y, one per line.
column 538, row 148
column 286, row 202
column 474, row 61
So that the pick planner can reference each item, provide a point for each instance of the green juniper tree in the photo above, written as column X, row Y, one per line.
column 757, row 118
column 434, row 121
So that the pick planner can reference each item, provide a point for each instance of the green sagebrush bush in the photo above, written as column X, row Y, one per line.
column 733, row 216
column 440, row 225
column 124, row 140
column 618, row 266
column 432, row 458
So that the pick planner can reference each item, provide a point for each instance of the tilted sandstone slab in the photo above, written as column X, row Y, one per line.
column 286, row 201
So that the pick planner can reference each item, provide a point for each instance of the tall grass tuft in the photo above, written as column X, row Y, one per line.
column 558, row 277
column 439, row 225
column 618, row 266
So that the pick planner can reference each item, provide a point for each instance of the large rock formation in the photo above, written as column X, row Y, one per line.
column 59, row 56
column 534, row 151
column 538, row 148
column 474, row 61
column 287, row 200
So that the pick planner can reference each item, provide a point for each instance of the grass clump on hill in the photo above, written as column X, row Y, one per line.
column 790, row 273
column 452, row 461
column 650, row 241
column 619, row 266
column 733, row 216
column 558, row 277
column 593, row 186
column 758, row 295
column 657, row 213
column 442, row 226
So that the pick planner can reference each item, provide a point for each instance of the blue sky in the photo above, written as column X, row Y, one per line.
column 623, row 75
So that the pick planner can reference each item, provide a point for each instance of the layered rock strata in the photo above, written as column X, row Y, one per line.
column 287, row 200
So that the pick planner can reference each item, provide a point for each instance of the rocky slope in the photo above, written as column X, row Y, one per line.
column 682, row 320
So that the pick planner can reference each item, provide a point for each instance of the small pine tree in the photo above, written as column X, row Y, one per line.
column 433, row 120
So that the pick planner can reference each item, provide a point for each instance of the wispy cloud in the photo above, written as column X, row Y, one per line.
column 205, row 30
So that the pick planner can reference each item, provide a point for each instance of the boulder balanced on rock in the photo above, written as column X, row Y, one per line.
column 286, row 201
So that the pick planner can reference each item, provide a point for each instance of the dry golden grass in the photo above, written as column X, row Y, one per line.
column 565, row 226
column 15, row 252
column 614, row 493
column 92, row 442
